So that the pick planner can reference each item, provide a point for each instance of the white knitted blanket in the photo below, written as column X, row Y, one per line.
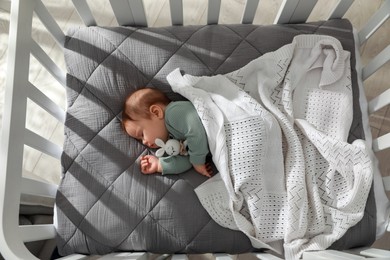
column 277, row 130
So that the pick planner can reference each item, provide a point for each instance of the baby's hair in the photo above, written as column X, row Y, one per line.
column 139, row 102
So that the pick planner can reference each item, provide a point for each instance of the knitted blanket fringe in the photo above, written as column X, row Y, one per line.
column 277, row 130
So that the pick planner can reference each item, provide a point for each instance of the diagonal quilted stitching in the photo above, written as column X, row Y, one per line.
column 98, row 198
column 119, row 45
column 80, row 152
column 91, row 92
column 183, row 45
column 245, row 38
column 95, row 133
column 238, row 44
column 110, row 184
column 108, row 55
column 197, row 234
column 148, row 214
column 90, row 140
column 199, row 59
column 179, row 47
column 115, row 248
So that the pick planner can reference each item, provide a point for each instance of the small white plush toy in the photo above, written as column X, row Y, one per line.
column 171, row 147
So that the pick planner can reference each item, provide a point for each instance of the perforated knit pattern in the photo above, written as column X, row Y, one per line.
column 329, row 103
column 215, row 202
column 324, row 183
column 244, row 140
column 246, row 150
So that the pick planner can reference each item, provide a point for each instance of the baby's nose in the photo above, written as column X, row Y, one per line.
column 145, row 142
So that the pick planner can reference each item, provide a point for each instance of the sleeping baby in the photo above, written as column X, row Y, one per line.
column 148, row 115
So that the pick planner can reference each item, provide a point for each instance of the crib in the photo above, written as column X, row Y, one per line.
column 15, row 136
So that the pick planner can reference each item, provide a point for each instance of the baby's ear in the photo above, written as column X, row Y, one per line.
column 157, row 111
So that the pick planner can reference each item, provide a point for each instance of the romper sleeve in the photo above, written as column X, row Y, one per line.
column 175, row 164
column 184, row 119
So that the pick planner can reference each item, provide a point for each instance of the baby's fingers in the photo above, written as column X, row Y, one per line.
column 144, row 165
column 206, row 173
column 209, row 168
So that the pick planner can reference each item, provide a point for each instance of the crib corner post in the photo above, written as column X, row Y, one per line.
column 12, row 141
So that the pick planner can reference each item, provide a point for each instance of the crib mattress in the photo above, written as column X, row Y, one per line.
column 104, row 203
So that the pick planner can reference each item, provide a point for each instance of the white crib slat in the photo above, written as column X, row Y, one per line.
column 213, row 10
column 340, row 9
column 266, row 256
column 373, row 252
column 294, row 11
column 381, row 143
column 381, row 15
column 179, row 257
column 222, row 257
column 46, row 103
column 30, row 233
column 376, row 63
column 249, row 11
column 160, row 257
column 122, row 12
column 388, row 226
column 138, row 11
column 33, row 187
column 386, row 184
column 125, row 255
column 14, row 115
column 50, row 24
column 285, row 11
column 48, row 63
column 74, row 257
column 5, row 5
column 303, row 11
column 41, row 144
column 379, row 101
column 330, row 254
column 84, row 12
column 176, row 7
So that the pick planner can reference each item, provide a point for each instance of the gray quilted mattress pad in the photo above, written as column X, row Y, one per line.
column 104, row 203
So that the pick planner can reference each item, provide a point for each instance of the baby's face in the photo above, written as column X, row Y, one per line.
column 147, row 130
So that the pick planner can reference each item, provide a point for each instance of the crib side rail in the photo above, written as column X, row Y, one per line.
column 132, row 12
column 380, row 101
column 380, row 60
column 15, row 136
column 12, row 144
column 19, row 89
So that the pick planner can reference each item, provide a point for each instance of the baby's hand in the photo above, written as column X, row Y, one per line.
column 150, row 164
column 204, row 169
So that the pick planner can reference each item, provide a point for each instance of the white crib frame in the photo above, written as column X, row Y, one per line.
column 128, row 12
